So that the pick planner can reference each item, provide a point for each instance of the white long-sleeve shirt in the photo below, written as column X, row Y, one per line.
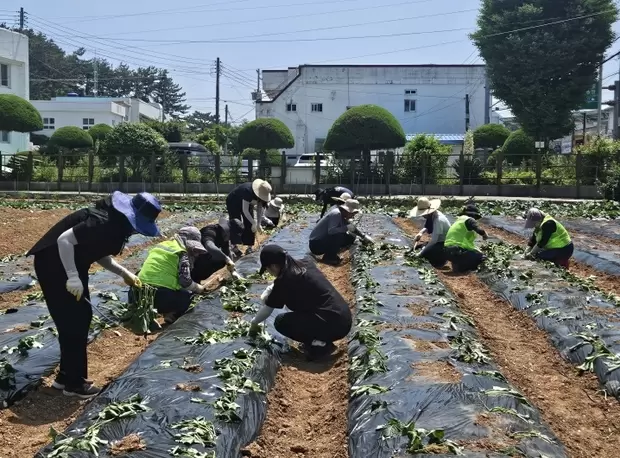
column 441, row 225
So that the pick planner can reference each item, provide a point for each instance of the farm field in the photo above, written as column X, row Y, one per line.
column 515, row 359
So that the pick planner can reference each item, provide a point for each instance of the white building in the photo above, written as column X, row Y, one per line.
column 14, row 79
column 85, row 112
column 427, row 99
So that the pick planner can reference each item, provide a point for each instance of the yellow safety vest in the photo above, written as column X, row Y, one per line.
column 459, row 235
column 161, row 267
column 559, row 239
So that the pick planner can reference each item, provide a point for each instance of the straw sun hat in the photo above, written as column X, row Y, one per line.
column 425, row 207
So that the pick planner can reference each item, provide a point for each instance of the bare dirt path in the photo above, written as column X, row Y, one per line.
column 586, row 422
column 307, row 408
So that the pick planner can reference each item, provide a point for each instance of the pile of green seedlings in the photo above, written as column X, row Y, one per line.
column 374, row 361
column 195, row 431
column 89, row 441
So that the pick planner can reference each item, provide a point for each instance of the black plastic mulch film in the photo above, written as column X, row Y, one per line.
column 581, row 322
column 28, row 342
column 217, row 387
column 589, row 251
column 396, row 411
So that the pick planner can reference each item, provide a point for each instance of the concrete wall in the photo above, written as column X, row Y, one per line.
column 439, row 98
column 14, row 54
column 66, row 112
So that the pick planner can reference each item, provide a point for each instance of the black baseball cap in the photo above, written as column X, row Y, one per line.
column 270, row 255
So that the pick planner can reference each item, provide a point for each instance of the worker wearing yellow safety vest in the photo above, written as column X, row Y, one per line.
column 459, row 245
column 550, row 240
column 168, row 268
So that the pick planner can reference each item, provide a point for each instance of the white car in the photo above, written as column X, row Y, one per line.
column 308, row 160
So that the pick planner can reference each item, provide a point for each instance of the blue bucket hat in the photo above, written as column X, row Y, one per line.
column 141, row 210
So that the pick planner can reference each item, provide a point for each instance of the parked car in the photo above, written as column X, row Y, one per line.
column 308, row 160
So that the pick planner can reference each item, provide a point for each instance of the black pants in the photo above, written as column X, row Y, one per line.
column 306, row 327
column 463, row 260
column 204, row 267
column 436, row 255
column 555, row 254
column 71, row 317
column 331, row 245
column 275, row 221
column 234, row 209
column 169, row 301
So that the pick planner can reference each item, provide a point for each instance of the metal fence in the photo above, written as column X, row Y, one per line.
column 377, row 173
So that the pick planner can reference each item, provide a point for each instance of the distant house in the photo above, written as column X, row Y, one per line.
column 85, row 112
column 14, row 79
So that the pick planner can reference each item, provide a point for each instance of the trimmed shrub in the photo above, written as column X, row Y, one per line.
column 71, row 137
column 18, row 115
column 518, row 147
column 99, row 132
column 424, row 148
column 490, row 136
column 264, row 134
column 365, row 128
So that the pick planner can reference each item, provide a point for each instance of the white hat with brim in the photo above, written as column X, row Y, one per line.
column 351, row 206
column 343, row 197
column 425, row 207
column 277, row 203
column 262, row 189
column 533, row 217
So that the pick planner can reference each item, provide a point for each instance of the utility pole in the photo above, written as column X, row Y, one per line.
column 599, row 93
column 616, row 104
column 226, row 115
column 217, row 91
column 96, row 75
column 466, row 112
column 258, row 80
column 21, row 19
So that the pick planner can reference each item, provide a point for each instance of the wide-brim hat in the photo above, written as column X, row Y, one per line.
column 262, row 189
column 471, row 211
column 277, row 203
column 141, row 210
column 343, row 197
column 270, row 255
column 191, row 238
column 351, row 206
column 425, row 207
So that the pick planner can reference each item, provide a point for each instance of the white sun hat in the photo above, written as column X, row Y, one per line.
column 343, row 197
column 425, row 206
column 262, row 189
column 352, row 206
column 277, row 203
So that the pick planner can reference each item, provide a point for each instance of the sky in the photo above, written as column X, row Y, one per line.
column 186, row 37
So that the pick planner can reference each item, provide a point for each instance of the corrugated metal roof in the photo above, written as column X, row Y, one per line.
column 447, row 139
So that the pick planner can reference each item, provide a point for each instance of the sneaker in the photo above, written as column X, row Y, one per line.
column 85, row 391
column 59, row 382
column 236, row 252
column 314, row 352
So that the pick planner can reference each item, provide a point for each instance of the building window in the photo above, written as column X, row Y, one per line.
column 4, row 75
column 4, row 136
column 411, row 91
column 317, row 107
column 49, row 123
column 409, row 105
column 291, row 107
column 87, row 123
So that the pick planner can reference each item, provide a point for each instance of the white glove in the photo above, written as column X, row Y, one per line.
column 254, row 227
column 418, row 237
column 131, row 279
column 533, row 252
column 199, row 289
column 368, row 239
column 236, row 275
column 74, row 285
column 230, row 265
column 351, row 228
column 259, row 229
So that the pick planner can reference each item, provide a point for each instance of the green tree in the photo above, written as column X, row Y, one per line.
column 543, row 73
column 18, row 115
column 199, row 121
column 99, row 132
column 227, row 137
column 518, row 147
column 490, row 136
column 274, row 156
column 169, row 94
column 264, row 134
column 71, row 137
column 424, row 149
column 172, row 131
column 137, row 143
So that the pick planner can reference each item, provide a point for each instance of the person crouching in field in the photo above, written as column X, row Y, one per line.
column 216, row 240
column 332, row 196
column 459, row 244
column 437, row 225
column 167, row 268
column 240, row 204
column 318, row 315
column 335, row 232
column 550, row 240
column 273, row 213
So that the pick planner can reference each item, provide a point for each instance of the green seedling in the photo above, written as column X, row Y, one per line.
column 7, row 375
column 531, row 434
column 513, row 412
column 195, row 431
column 235, row 297
column 455, row 319
column 469, row 350
column 235, row 328
column 492, row 374
column 141, row 315
column 108, row 296
column 24, row 345
column 500, row 391
column 367, row 335
column 33, row 297
column 190, row 452
column 418, row 439
column 129, row 408
column 371, row 362
column 368, row 390
column 535, row 299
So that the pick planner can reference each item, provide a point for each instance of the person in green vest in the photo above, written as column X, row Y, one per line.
column 168, row 268
column 459, row 245
column 550, row 240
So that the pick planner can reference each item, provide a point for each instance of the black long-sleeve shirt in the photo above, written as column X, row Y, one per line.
column 472, row 225
column 547, row 228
